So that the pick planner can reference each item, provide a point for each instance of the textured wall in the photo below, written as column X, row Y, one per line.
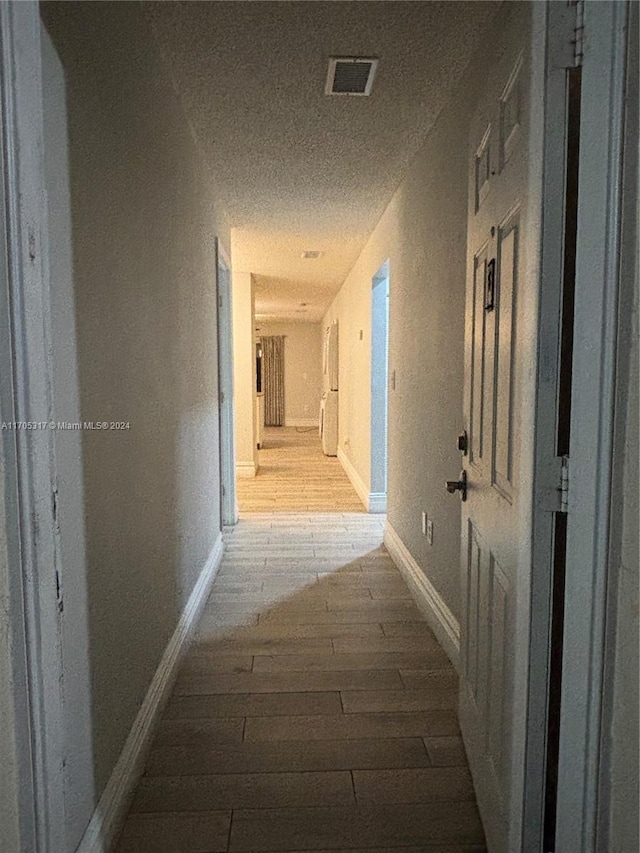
column 143, row 228
column 302, row 368
column 423, row 234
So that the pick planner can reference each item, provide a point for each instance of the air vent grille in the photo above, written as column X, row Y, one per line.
column 350, row 76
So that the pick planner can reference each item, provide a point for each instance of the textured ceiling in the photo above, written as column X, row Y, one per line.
column 296, row 169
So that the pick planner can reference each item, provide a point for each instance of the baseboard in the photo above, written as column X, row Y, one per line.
column 377, row 502
column 301, row 422
column 441, row 620
column 246, row 470
column 354, row 477
column 373, row 501
column 108, row 818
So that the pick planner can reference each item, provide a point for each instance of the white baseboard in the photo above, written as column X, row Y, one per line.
column 377, row 502
column 354, row 477
column 246, row 469
column 441, row 620
column 373, row 501
column 301, row 422
column 107, row 820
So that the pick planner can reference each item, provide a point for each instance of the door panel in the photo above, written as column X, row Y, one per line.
column 493, row 532
column 482, row 331
column 472, row 638
column 499, row 631
column 505, row 342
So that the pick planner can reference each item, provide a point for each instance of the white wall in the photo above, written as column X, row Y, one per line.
column 624, row 712
column 423, row 234
column 9, row 822
column 144, row 221
column 625, row 721
column 302, row 369
column 244, row 374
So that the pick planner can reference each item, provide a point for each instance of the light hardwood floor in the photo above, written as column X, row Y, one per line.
column 295, row 476
column 315, row 710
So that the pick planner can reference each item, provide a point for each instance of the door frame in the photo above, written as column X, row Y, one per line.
column 379, row 466
column 228, row 499
column 593, row 379
column 594, row 361
column 592, row 422
column 26, row 362
column 553, row 23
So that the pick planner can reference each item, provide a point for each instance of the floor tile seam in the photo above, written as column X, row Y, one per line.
column 357, row 769
column 341, row 771
column 229, row 830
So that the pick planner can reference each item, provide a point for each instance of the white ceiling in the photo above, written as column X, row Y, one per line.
column 293, row 168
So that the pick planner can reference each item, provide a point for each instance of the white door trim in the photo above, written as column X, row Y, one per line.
column 556, row 21
column 594, row 362
column 225, row 376
column 35, row 629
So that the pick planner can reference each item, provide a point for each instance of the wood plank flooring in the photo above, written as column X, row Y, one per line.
column 314, row 712
column 295, row 476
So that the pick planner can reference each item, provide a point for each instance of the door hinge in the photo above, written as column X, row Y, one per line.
column 566, row 35
column 564, row 485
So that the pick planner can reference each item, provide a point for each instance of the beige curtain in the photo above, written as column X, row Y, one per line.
column 273, row 372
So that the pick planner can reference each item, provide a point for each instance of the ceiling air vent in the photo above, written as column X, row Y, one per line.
column 350, row 76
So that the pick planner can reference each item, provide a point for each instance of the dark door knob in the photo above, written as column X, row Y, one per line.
column 458, row 486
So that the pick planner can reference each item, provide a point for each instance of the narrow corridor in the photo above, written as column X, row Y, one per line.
column 315, row 710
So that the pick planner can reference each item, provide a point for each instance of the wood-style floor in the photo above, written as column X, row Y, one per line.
column 295, row 476
column 315, row 711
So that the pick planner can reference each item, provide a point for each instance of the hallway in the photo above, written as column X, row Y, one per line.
column 315, row 710
column 295, row 476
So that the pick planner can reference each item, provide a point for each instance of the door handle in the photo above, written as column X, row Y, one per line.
column 458, row 486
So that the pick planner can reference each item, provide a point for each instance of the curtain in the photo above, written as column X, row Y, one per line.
column 273, row 370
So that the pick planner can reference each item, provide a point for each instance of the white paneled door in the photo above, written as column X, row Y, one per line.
column 491, row 524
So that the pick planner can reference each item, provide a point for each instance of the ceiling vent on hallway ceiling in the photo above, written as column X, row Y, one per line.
column 350, row 75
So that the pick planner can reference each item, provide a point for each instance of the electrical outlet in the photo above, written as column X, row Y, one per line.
column 424, row 523
column 430, row 531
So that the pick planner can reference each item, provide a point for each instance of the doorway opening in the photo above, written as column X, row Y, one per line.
column 379, row 387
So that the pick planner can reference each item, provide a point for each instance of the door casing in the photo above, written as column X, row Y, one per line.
column 27, row 372
column 580, row 788
column 229, row 504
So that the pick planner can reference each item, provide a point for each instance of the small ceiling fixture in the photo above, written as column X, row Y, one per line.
column 350, row 75
column 311, row 254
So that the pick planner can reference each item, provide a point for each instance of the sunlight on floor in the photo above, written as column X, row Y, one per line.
column 314, row 711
